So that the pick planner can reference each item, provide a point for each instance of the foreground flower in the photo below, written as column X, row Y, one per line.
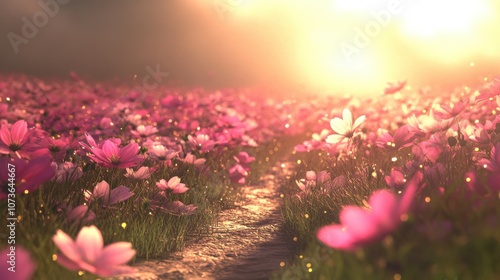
column 16, row 139
column 20, row 268
column 174, row 184
column 88, row 253
column 108, row 198
column 29, row 174
column 110, row 155
column 360, row 226
column 344, row 127
column 143, row 172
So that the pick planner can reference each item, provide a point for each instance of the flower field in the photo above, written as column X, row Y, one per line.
column 404, row 185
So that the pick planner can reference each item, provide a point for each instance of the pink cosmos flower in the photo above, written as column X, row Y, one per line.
column 394, row 87
column 21, row 267
column 88, row 253
column 238, row 174
column 191, row 159
column 143, row 172
column 29, row 174
column 108, row 198
column 450, row 111
column 403, row 137
column 144, row 131
column 160, row 152
column 174, row 185
column 15, row 140
column 79, row 214
column 396, row 179
column 344, row 128
column 110, row 155
column 201, row 142
column 492, row 164
column 179, row 208
column 360, row 226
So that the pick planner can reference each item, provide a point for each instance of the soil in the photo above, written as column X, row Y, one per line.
column 247, row 242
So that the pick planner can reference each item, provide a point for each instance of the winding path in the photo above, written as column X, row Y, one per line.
column 246, row 243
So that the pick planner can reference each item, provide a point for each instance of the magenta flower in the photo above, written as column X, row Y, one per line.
column 179, row 208
column 110, row 155
column 142, row 173
column 160, row 152
column 79, row 214
column 144, row 131
column 88, row 253
column 238, row 174
column 174, row 185
column 394, row 87
column 360, row 226
column 403, row 137
column 108, row 198
column 21, row 267
column 201, row 142
column 29, row 175
column 396, row 179
column 15, row 140
column 191, row 159
column 344, row 128
column 450, row 111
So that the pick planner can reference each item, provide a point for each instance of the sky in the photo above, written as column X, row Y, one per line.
column 335, row 46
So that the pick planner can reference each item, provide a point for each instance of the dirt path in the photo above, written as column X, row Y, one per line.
column 247, row 243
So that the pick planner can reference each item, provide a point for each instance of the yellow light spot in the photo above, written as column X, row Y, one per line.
column 476, row 149
column 295, row 238
column 324, row 211
column 374, row 174
column 310, row 270
column 404, row 217
column 287, row 125
column 83, row 107
column 427, row 199
column 394, row 159
column 124, row 225
column 26, row 192
column 485, row 166
column 421, row 166
column 282, row 165
column 307, row 216
column 81, row 273
column 397, row 276
column 282, row 264
column 301, row 257
column 282, row 195
column 299, row 161
column 468, row 179
column 54, row 257
column 308, row 265
column 424, row 111
column 494, row 112
column 7, row 98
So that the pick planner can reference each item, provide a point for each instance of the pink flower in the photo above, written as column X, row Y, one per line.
column 79, row 214
column 29, row 175
column 344, row 128
column 191, row 159
column 108, row 198
column 88, row 253
column 16, row 264
column 160, row 152
column 238, row 174
column 144, row 131
column 110, row 155
column 450, row 111
column 493, row 163
column 396, row 179
column 174, row 184
column 179, row 208
column 403, row 137
column 143, row 172
column 67, row 171
column 360, row 226
column 394, row 87
column 201, row 142
column 15, row 140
